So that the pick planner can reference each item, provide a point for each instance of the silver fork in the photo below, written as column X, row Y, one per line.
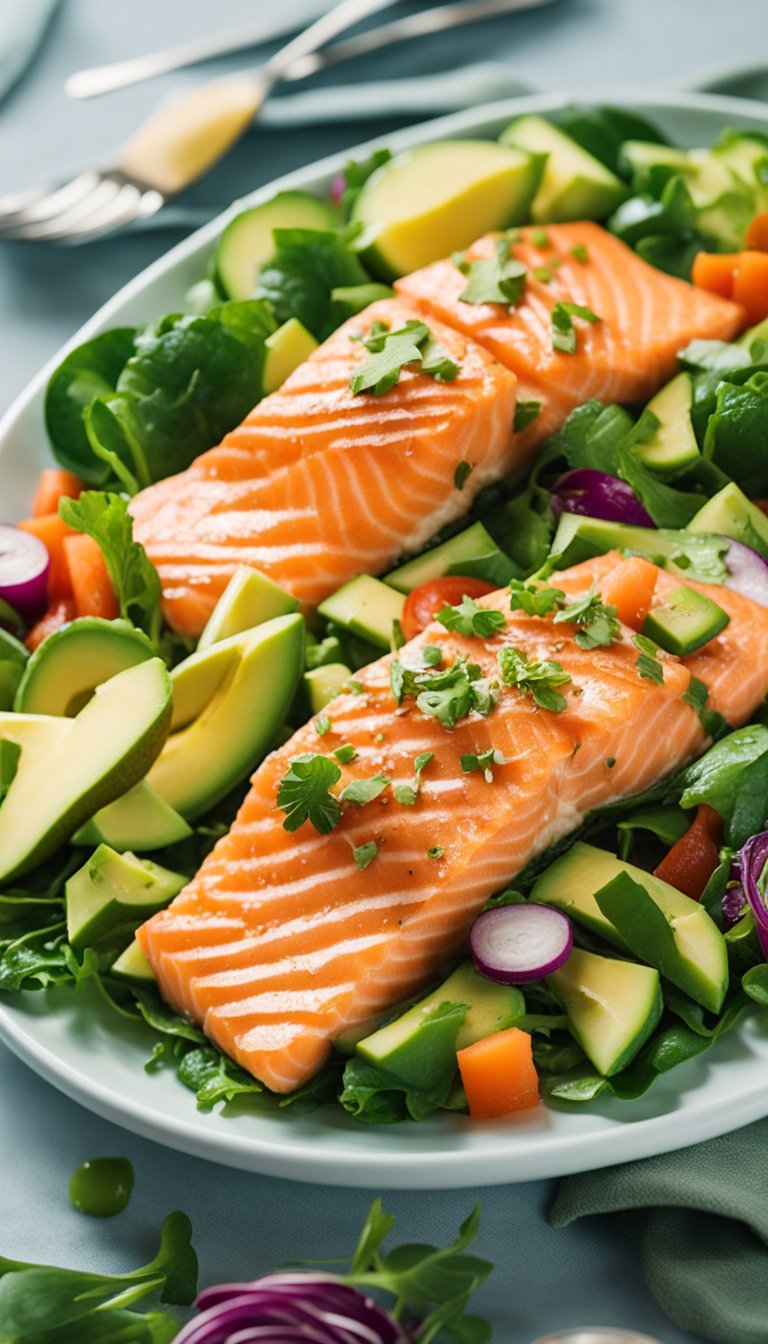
column 176, row 145
column 151, row 167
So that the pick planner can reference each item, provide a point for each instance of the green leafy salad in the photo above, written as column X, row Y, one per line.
column 655, row 913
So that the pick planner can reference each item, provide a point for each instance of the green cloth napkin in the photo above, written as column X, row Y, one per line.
column 700, row 1220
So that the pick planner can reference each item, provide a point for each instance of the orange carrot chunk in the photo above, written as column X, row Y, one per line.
column 629, row 588
column 694, row 857
column 714, row 271
column 51, row 529
column 757, row 233
column 55, row 483
column 750, row 284
column 58, row 614
column 499, row 1074
column 91, row 587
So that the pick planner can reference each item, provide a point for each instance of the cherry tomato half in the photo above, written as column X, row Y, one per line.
column 429, row 598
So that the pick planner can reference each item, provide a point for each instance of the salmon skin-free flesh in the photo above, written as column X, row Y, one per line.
column 280, row 942
column 646, row 317
column 318, row 485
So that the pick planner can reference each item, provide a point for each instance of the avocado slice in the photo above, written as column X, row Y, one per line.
column 685, row 621
column 249, row 599
column 569, row 882
column 69, row 768
column 113, row 893
column 642, row 156
column 731, row 514
column 472, row 553
column 284, row 351
column 612, row 1006
column 243, row 688
column 133, row 965
column 579, row 537
column 322, row 684
column 669, row 931
column 431, row 201
column 13, row 660
column 140, row 820
column 672, row 446
column 247, row 243
column 575, row 185
column 65, row 670
column 405, row 1047
column 366, row 607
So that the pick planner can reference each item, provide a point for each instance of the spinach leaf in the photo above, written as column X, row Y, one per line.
column 416, row 1083
column 214, row 1077
column 105, row 517
column 603, row 130
column 732, row 777
column 299, row 280
column 737, row 432
column 92, row 370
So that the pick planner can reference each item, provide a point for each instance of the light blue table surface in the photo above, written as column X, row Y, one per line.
column 244, row 1224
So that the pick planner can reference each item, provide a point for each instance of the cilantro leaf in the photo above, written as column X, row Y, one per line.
column 304, row 793
column 392, row 350
column 497, row 279
column 532, row 600
column 484, row 760
column 467, row 618
column 105, row 517
column 406, row 794
column 599, row 623
column 461, row 473
column 448, row 694
column 365, row 854
column 525, row 414
column 648, row 664
column 540, row 238
column 322, row 725
column 579, row 251
column 714, row 725
column 436, row 361
column 435, row 852
column 539, row 679
column 345, row 753
column 363, row 791
column 563, row 330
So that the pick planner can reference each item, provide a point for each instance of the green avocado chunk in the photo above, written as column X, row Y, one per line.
column 133, row 965
column 672, row 445
column 731, row 514
column 113, row 893
column 69, row 768
column 284, row 350
column 366, row 607
column 140, row 820
column 575, row 184
column 684, row 621
column 249, row 599
column 247, row 242
column 65, row 670
column 471, row 553
column 612, row 1006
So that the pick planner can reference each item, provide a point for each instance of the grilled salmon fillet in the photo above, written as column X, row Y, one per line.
column 646, row 317
column 318, row 485
column 280, row 942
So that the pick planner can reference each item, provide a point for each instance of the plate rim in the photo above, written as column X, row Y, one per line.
column 343, row 1164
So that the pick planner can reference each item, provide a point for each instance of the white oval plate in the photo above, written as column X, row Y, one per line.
column 97, row 1058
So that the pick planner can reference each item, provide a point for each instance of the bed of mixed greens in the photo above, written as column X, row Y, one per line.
column 676, row 481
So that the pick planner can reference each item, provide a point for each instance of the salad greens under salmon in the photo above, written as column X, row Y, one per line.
column 509, row 839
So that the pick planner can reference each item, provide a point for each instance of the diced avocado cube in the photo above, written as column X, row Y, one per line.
column 322, row 684
column 730, row 514
column 249, row 599
column 575, row 184
column 569, row 883
column 284, row 351
column 672, row 445
column 366, row 607
column 612, row 1006
column 115, row 892
column 472, row 553
column 684, row 621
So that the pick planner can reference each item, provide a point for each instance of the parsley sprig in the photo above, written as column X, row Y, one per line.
column 467, row 618
column 304, row 793
column 598, row 621
column 533, row 600
column 714, row 725
column 391, row 351
column 647, row 663
column 362, row 791
column 563, row 330
column 539, row 679
column 406, row 794
column 484, row 760
column 447, row 694
column 497, row 279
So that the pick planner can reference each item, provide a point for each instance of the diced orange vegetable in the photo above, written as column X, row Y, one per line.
column 499, row 1074
column 693, row 859
column 757, row 233
column 55, row 483
column 714, row 271
column 51, row 529
column 91, row 587
column 750, row 284
column 629, row 588
column 58, row 614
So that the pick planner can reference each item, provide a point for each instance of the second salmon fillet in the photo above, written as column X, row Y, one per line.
column 281, row 942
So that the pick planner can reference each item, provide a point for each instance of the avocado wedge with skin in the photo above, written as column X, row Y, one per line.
column 113, row 893
column 62, row 674
column 69, row 768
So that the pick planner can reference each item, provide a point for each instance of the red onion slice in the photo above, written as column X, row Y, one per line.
column 747, row 572
column 313, row 1308
column 24, row 566
column 585, row 490
column 747, row 869
column 515, row 944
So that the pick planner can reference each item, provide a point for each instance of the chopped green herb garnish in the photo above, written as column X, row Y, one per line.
column 398, row 638
column 543, row 274
column 497, row 279
column 322, row 725
column 461, row 473
column 467, row 618
column 365, row 854
column 484, row 761
column 540, row 238
column 599, row 623
column 610, row 762
column 539, row 679
column 408, row 793
column 532, row 600
column 362, row 791
column 390, row 351
column 431, row 655
column 525, row 414
column 447, row 695
column 696, row 696
column 648, row 664
column 345, row 753
column 304, row 793
column 579, row 251
column 563, row 330
column 435, row 852
column 354, row 686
